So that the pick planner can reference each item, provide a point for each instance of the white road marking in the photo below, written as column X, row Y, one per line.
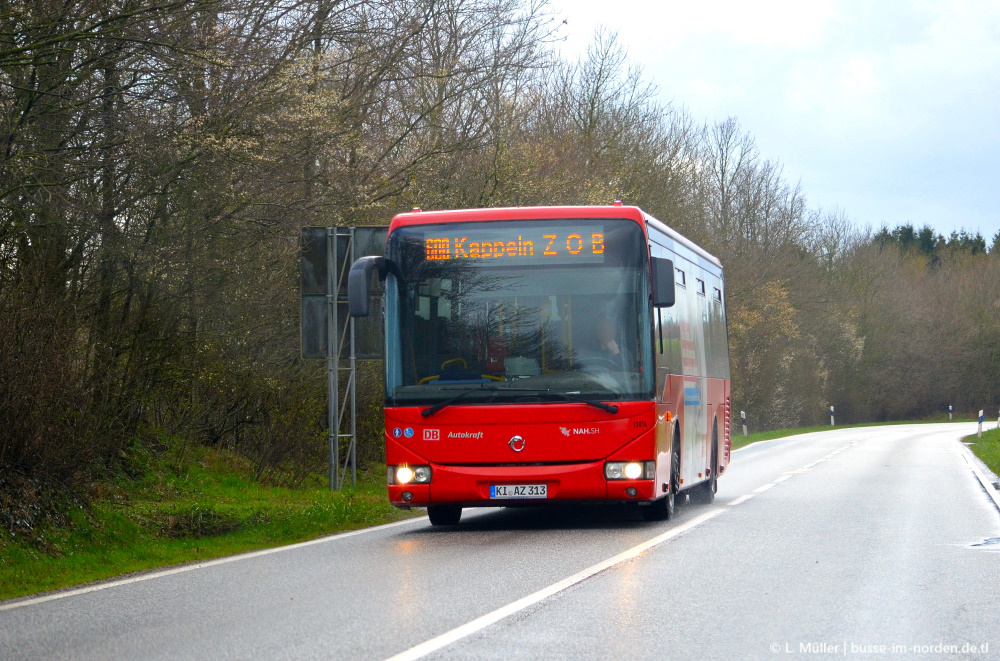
column 985, row 481
column 480, row 623
column 201, row 565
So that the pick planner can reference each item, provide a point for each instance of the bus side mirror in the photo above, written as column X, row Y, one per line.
column 359, row 282
column 663, row 282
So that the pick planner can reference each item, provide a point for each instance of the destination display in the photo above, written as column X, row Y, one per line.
column 506, row 244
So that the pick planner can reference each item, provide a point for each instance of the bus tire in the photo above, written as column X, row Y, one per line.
column 663, row 508
column 444, row 515
column 660, row 509
column 705, row 492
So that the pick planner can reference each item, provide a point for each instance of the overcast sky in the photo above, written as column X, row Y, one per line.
column 887, row 110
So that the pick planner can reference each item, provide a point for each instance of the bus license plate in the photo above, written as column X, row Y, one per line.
column 519, row 491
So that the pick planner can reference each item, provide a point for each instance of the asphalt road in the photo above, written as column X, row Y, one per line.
column 821, row 545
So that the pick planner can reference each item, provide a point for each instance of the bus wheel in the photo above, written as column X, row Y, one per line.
column 444, row 515
column 705, row 492
column 661, row 509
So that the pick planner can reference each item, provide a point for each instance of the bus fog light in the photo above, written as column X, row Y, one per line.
column 633, row 470
column 404, row 475
column 407, row 496
column 631, row 492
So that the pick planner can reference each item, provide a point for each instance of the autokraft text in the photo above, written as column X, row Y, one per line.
column 465, row 434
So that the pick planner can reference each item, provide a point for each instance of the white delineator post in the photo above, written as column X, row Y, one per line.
column 980, row 423
column 831, row 416
column 949, row 413
column 743, row 418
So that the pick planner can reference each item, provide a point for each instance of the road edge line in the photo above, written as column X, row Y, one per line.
column 973, row 460
column 21, row 602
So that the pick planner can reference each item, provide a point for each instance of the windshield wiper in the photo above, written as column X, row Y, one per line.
column 610, row 408
column 428, row 412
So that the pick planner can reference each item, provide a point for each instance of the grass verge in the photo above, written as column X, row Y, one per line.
column 987, row 448
column 204, row 505
column 739, row 441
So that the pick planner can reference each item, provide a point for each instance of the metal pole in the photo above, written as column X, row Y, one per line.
column 350, row 395
column 354, row 385
column 332, row 357
column 354, row 411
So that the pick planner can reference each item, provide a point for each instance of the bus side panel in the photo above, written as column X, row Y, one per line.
column 718, row 391
column 695, row 404
column 667, row 419
column 687, row 400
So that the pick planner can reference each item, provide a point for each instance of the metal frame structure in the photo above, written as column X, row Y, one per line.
column 332, row 251
column 334, row 352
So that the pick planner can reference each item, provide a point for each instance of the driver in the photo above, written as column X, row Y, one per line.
column 608, row 348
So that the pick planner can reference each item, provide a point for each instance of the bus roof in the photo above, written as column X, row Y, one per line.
column 546, row 213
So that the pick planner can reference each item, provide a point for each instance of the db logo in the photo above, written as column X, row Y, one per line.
column 432, row 434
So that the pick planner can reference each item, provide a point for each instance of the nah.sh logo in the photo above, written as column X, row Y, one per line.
column 579, row 431
column 432, row 434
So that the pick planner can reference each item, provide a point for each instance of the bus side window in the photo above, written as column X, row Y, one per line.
column 670, row 359
column 701, row 286
column 717, row 330
column 681, row 278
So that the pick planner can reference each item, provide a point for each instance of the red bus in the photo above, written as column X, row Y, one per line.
column 549, row 354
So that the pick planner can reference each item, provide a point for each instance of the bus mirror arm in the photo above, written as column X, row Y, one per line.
column 664, row 293
column 359, row 283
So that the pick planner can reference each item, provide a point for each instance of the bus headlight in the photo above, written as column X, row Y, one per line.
column 404, row 475
column 408, row 474
column 630, row 470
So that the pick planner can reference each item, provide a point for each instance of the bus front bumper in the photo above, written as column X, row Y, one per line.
column 470, row 486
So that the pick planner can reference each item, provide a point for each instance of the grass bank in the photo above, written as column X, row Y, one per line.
column 191, row 506
column 987, row 448
column 739, row 441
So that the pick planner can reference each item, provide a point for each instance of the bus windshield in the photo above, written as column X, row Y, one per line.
column 518, row 311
